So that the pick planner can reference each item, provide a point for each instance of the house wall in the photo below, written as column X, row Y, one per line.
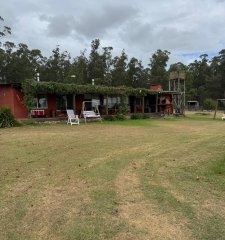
column 6, row 97
column 13, row 99
column 20, row 109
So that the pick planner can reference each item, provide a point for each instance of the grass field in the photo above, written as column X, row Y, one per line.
column 137, row 179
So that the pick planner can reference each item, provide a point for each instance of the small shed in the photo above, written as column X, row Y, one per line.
column 192, row 105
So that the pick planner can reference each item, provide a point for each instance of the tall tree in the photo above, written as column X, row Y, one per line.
column 57, row 66
column 4, row 30
column 135, row 73
column 107, row 65
column 200, row 72
column 119, row 76
column 158, row 63
column 79, row 70
column 95, row 64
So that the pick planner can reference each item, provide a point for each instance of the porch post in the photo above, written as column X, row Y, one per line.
column 74, row 102
column 135, row 109
column 107, row 106
column 156, row 105
column 143, row 104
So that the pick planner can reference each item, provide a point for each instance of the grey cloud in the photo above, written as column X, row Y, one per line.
column 58, row 26
column 95, row 23
column 138, row 34
column 91, row 24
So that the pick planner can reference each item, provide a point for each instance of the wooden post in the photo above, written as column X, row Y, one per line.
column 143, row 104
column 107, row 106
column 156, row 105
column 74, row 102
column 214, row 117
column 135, row 109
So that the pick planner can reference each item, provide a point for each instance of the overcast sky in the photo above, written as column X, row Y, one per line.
column 186, row 28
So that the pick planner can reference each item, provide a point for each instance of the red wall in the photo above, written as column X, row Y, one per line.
column 155, row 87
column 13, row 98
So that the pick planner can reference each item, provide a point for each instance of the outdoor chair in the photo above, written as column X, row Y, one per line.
column 223, row 117
column 72, row 118
column 91, row 114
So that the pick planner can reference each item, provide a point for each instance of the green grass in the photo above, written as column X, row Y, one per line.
column 133, row 179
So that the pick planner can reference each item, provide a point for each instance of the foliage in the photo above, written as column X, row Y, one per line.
column 29, row 101
column 6, row 30
column 139, row 116
column 117, row 117
column 32, row 87
column 209, row 104
column 158, row 63
column 7, row 119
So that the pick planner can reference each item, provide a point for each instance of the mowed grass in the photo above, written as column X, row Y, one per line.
column 137, row 179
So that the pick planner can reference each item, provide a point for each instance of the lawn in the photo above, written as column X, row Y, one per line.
column 136, row 179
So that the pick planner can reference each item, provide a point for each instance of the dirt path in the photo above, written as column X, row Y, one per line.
column 142, row 215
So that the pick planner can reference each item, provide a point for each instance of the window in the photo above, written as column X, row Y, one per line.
column 112, row 101
column 61, row 103
column 41, row 102
column 64, row 102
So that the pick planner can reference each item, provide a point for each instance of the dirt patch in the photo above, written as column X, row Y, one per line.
column 142, row 214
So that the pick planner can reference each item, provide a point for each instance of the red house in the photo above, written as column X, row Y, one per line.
column 55, row 104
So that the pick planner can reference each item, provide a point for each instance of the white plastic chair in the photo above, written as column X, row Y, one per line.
column 223, row 117
column 72, row 118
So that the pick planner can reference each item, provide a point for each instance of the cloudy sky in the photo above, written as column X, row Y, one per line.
column 186, row 28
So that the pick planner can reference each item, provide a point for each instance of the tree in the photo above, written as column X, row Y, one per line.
column 135, row 74
column 79, row 70
column 95, row 63
column 158, row 63
column 119, row 70
column 200, row 72
column 18, row 62
column 57, row 66
column 6, row 30
column 107, row 65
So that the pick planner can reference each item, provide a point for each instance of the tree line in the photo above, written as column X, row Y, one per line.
column 205, row 79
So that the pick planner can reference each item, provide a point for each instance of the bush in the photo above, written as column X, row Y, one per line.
column 209, row 104
column 110, row 118
column 7, row 119
column 116, row 117
column 139, row 116
column 120, row 116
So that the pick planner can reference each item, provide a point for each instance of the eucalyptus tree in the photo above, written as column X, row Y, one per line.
column 107, row 65
column 4, row 30
column 79, row 70
column 19, row 62
column 57, row 66
column 135, row 73
column 95, row 63
column 158, row 64
column 200, row 71
column 222, row 73
column 119, row 74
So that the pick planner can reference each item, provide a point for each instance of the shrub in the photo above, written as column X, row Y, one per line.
column 7, row 119
column 120, row 116
column 116, row 117
column 110, row 118
column 209, row 104
column 145, row 116
column 136, row 116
